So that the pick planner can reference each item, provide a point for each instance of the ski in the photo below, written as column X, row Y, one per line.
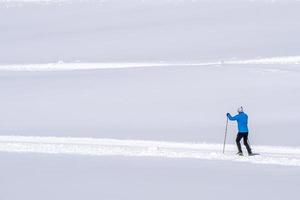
column 254, row 154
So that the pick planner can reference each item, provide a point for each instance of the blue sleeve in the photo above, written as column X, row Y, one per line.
column 232, row 118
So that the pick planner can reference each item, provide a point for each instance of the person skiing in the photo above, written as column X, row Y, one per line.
column 242, row 121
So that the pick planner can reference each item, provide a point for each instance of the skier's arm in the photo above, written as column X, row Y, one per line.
column 231, row 118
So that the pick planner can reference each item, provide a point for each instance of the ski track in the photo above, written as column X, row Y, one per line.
column 61, row 66
column 287, row 156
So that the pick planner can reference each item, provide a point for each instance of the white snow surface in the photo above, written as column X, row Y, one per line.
column 61, row 66
column 148, row 31
column 167, row 128
column 156, row 77
column 112, row 147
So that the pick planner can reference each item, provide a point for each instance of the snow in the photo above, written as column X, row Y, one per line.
column 147, row 31
column 126, row 99
column 61, row 66
column 174, row 103
column 111, row 147
column 80, row 177
column 166, row 125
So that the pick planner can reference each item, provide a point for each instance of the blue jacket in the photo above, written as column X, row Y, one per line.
column 242, row 120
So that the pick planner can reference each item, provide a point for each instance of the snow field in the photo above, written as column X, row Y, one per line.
column 111, row 147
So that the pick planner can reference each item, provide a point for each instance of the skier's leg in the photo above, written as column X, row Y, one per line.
column 238, row 139
column 245, row 137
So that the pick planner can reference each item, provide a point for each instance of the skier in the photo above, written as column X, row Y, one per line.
column 242, row 120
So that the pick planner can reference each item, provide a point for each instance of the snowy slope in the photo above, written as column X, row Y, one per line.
column 171, row 103
column 147, row 30
column 186, row 104
column 112, row 147
column 25, row 176
column 126, row 99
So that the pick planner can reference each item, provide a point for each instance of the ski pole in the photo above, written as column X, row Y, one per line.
column 225, row 136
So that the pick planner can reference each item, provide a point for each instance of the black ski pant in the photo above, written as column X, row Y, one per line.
column 245, row 138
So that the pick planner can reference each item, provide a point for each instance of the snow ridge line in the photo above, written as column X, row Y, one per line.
column 142, row 1
column 286, row 156
column 61, row 66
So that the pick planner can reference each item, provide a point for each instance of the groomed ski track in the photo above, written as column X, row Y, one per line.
column 287, row 156
column 61, row 66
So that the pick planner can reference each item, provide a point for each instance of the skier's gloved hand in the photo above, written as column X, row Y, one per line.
column 227, row 114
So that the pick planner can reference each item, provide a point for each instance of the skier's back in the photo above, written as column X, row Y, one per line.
column 242, row 120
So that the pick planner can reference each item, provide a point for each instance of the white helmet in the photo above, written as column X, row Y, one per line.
column 240, row 109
